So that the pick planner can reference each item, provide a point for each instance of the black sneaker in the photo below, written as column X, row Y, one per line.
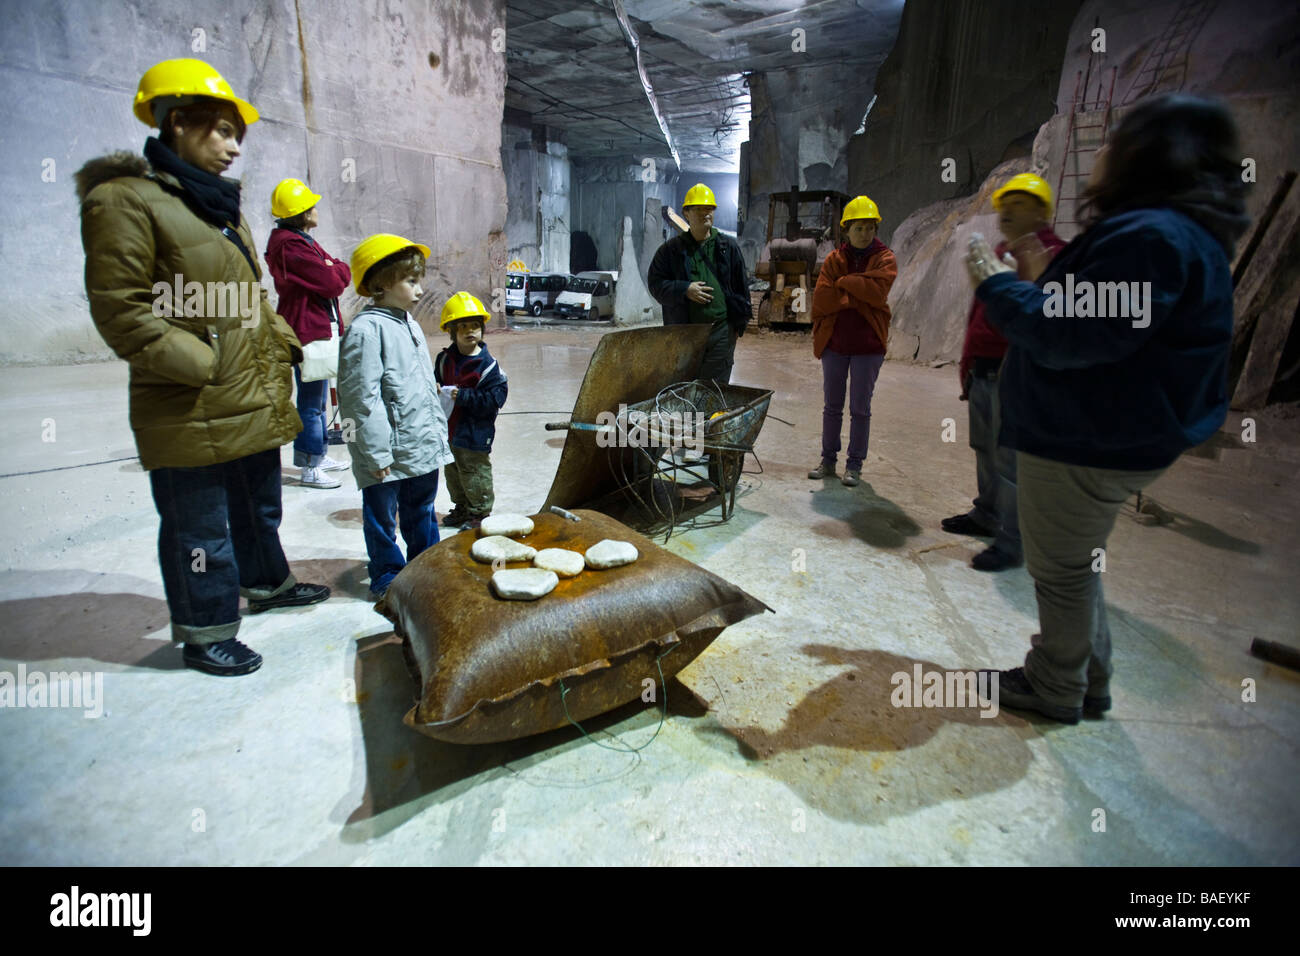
column 228, row 658
column 300, row 595
column 1095, row 706
column 965, row 524
column 1015, row 691
column 454, row 518
column 994, row 559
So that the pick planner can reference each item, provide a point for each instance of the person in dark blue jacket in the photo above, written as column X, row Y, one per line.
column 473, row 390
column 1118, row 363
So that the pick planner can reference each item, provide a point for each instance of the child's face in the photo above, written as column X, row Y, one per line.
column 469, row 333
column 403, row 294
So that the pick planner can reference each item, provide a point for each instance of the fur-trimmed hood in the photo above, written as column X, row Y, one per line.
column 113, row 166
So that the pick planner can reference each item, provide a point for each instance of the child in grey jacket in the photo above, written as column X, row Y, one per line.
column 388, row 399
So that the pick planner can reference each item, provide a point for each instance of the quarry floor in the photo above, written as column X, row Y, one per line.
column 780, row 745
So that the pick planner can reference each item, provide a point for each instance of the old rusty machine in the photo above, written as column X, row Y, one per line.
column 802, row 228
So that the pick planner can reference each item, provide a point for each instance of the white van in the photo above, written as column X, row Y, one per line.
column 588, row 295
column 533, row 292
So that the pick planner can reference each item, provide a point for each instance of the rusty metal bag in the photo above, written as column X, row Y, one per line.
column 493, row 670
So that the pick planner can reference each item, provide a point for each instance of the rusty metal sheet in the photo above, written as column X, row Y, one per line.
column 627, row 367
column 493, row 670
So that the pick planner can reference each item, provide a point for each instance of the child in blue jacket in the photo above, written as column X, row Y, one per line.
column 475, row 386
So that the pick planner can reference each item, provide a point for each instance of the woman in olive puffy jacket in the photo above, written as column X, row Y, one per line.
column 174, row 289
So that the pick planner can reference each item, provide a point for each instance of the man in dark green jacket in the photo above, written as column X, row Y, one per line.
column 699, row 277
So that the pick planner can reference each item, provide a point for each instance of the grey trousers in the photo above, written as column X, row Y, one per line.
column 1066, row 513
column 995, row 468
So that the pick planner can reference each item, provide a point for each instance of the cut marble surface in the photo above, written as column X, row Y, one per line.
column 500, row 548
column 524, row 584
column 611, row 554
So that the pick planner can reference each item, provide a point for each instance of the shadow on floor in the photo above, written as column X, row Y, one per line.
column 346, row 518
column 406, row 772
column 860, row 511
column 1208, row 534
column 913, row 757
column 1106, row 765
column 92, row 616
column 347, row 576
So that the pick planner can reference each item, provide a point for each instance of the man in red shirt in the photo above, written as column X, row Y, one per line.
column 1023, row 205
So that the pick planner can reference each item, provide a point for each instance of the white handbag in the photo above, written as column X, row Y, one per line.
column 320, row 359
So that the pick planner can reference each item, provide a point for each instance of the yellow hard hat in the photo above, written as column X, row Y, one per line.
column 186, row 78
column 859, row 207
column 462, row 305
column 699, row 195
column 374, row 248
column 516, row 265
column 1025, row 183
column 290, row 198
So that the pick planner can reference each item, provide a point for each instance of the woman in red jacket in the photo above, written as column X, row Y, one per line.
column 309, row 282
column 850, row 315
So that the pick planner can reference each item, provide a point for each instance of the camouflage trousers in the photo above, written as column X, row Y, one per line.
column 469, row 481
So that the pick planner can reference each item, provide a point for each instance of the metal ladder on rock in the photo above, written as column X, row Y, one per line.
column 1165, row 66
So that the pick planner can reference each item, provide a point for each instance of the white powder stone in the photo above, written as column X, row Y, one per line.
column 514, row 526
column 500, row 548
column 611, row 554
column 565, row 563
column 523, row 584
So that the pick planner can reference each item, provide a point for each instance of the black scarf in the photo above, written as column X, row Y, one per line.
column 213, row 198
column 855, row 258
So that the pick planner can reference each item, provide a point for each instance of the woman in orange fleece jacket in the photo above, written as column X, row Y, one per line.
column 850, row 316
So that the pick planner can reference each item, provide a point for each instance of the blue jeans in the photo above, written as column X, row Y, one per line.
column 412, row 501
column 219, row 537
column 835, row 381
column 309, row 446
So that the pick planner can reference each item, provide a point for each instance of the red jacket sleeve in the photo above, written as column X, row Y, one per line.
column 328, row 277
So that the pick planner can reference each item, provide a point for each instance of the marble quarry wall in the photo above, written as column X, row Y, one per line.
column 1246, row 56
column 799, row 133
column 538, row 182
column 604, row 192
column 391, row 110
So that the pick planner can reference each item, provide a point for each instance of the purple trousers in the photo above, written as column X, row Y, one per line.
column 836, row 372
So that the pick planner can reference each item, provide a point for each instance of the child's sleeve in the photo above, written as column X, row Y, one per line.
column 361, row 401
column 487, row 397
